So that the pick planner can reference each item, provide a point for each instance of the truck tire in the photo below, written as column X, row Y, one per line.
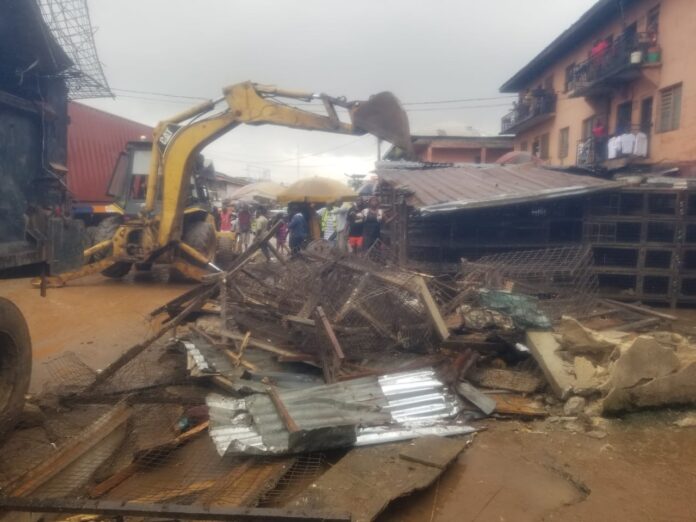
column 90, row 235
column 226, row 252
column 117, row 270
column 15, row 364
column 105, row 230
column 201, row 236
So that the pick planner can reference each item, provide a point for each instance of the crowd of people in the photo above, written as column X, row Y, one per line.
column 351, row 227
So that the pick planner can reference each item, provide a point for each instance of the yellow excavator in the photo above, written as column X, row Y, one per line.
column 168, row 229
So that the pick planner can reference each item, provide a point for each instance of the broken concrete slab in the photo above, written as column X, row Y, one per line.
column 687, row 421
column 474, row 396
column 576, row 338
column 574, row 406
column 675, row 388
column 366, row 480
column 545, row 350
column 586, row 380
column 642, row 360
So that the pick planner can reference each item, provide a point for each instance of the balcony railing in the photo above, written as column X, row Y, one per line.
column 594, row 152
column 617, row 61
column 533, row 107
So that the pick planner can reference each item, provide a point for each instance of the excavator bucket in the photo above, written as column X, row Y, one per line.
column 383, row 116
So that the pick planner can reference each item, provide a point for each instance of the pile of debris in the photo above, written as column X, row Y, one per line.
column 285, row 380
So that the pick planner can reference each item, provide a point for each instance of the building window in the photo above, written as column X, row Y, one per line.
column 652, row 25
column 587, row 128
column 670, row 108
column 544, row 146
column 524, row 146
column 563, row 142
column 624, row 117
column 570, row 77
column 548, row 84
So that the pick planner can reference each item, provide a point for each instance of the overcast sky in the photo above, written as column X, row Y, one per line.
column 421, row 51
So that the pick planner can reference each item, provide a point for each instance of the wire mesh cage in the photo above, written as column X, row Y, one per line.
column 561, row 278
column 70, row 24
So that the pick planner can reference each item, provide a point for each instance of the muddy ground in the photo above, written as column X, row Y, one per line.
column 644, row 469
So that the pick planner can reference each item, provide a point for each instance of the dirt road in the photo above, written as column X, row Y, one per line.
column 96, row 318
column 515, row 471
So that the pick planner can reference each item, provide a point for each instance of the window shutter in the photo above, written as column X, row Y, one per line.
column 676, row 106
column 670, row 108
column 666, row 109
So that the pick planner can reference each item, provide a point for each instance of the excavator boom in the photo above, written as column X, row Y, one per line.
column 177, row 143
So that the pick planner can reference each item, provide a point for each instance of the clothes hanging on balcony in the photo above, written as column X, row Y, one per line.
column 613, row 147
column 640, row 147
column 628, row 142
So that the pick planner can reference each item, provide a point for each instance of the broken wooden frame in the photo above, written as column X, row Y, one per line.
column 190, row 512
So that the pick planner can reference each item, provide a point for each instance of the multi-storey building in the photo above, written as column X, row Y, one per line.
column 616, row 89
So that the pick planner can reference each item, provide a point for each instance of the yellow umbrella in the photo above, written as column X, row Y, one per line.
column 264, row 190
column 317, row 190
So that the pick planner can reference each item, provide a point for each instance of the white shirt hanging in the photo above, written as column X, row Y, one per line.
column 612, row 148
column 627, row 143
column 640, row 147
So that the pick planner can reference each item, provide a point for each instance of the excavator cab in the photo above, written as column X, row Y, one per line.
column 128, row 184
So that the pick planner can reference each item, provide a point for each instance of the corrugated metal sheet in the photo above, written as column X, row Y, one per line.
column 95, row 139
column 359, row 412
column 461, row 187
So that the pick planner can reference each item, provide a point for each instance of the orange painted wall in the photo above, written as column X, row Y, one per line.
column 677, row 39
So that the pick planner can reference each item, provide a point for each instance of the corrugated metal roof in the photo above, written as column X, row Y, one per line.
column 461, row 187
column 358, row 412
column 95, row 139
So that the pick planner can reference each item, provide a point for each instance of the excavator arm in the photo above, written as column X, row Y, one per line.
column 176, row 144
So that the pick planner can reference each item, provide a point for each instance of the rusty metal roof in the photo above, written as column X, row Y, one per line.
column 95, row 140
column 462, row 187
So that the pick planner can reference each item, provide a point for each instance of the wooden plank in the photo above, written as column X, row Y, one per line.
column 148, row 456
column 511, row 404
column 642, row 309
column 285, row 416
column 72, row 451
column 431, row 307
column 482, row 401
column 120, row 510
column 332, row 359
column 433, row 451
column 513, row 380
column 350, row 302
column 544, row 348
column 637, row 325
column 258, row 343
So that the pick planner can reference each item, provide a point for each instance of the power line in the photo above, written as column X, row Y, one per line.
column 427, row 102
column 177, row 102
column 461, row 100
column 166, row 95
column 430, row 109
